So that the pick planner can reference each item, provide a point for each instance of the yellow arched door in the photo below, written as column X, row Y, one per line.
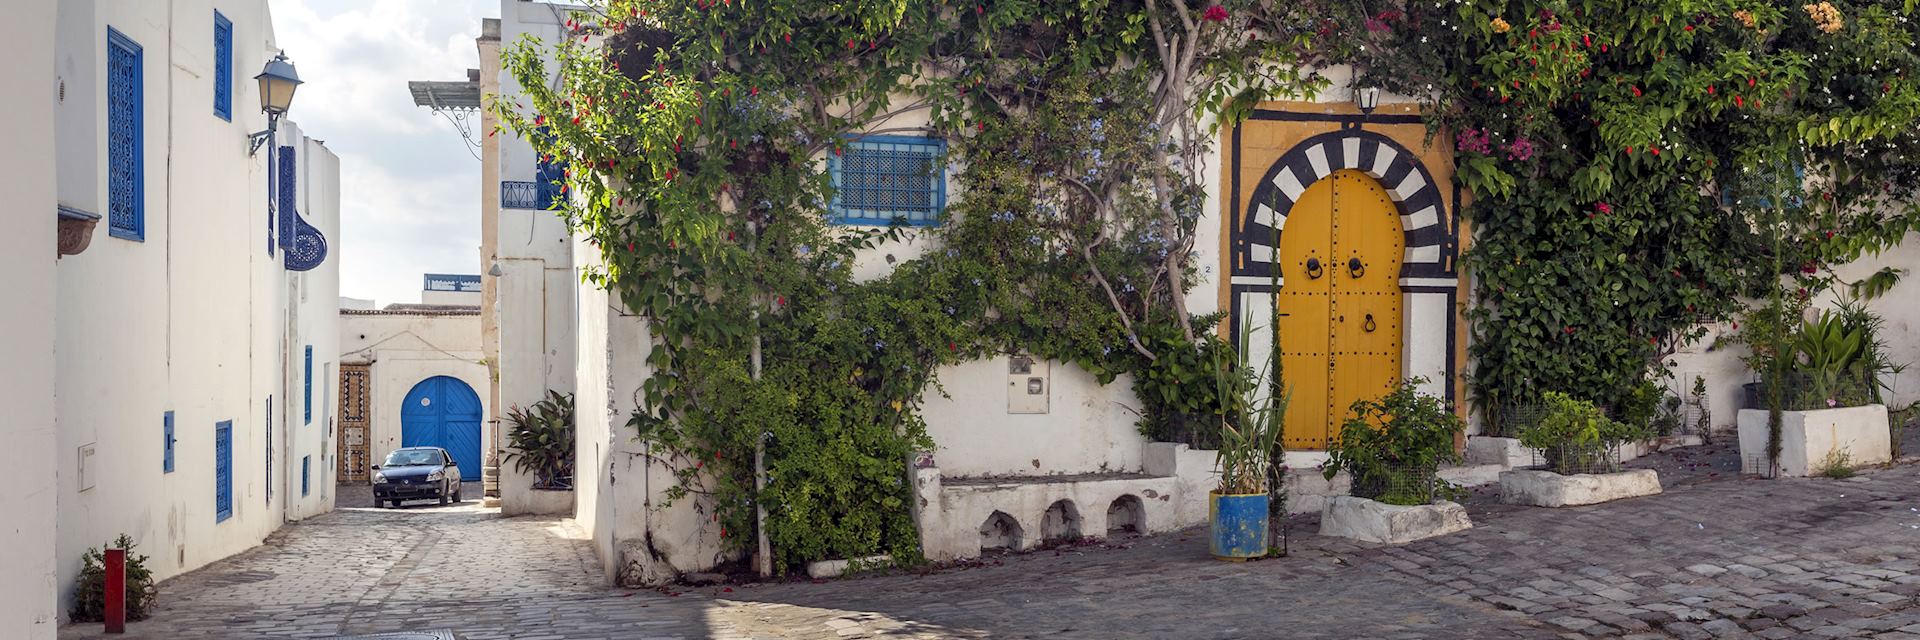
column 1340, row 304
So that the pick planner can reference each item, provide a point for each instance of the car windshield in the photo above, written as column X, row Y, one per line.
column 407, row 457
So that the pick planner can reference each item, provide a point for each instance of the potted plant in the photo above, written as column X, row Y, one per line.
column 541, row 441
column 1580, row 447
column 1250, row 424
column 1391, row 450
column 1824, row 383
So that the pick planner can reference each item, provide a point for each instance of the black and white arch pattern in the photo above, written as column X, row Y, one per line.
column 1423, row 212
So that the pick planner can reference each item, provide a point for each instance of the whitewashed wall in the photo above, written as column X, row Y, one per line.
column 27, row 463
column 405, row 349
column 195, row 319
column 536, row 291
column 1724, row 371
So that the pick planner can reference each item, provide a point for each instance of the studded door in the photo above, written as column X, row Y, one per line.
column 354, row 421
column 1340, row 304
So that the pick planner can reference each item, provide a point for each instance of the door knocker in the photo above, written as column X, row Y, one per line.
column 1368, row 325
column 1355, row 268
column 1313, row 269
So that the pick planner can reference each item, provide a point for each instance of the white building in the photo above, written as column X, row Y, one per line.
column 27, row 235
column 192, row 313
column 412, row 375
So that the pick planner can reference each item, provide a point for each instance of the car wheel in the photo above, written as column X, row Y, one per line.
column 443, row 497
column 456, row 494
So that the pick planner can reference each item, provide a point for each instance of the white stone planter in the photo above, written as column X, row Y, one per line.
column 538, row 502
column 1549, row 489
column 1808, row 437
column 1371, row 521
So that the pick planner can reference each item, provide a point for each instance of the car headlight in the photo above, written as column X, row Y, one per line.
column 436, row 475
column 379, row 478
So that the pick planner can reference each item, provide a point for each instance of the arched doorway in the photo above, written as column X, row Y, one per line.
column 1340, row 305
column 444, row 412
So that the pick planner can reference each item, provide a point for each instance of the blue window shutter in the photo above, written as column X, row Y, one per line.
column 884, row 180
column 306, row 398
column 126, row 148
column 306, row 470
column 222, row 67
column 222, row 470
column 166, row 442
column 548, row 177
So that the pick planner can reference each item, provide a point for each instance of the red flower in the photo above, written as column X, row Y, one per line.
column 1739, row 102
column 780, row 300
column 1215, row 13
column 1569, row 330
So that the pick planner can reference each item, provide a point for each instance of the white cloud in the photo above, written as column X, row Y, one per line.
column 410, row 189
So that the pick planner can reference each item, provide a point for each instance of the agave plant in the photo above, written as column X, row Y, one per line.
column 542, row 441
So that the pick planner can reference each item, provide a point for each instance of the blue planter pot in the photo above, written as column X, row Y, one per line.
column 1237, row 525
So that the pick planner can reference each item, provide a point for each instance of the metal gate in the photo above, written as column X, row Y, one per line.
column 354, row 414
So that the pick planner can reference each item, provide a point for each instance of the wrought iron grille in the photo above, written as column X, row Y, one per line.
column 879, row 180
column 548, row 182
column 126, row 188
column 288, row 191
column 519, row 195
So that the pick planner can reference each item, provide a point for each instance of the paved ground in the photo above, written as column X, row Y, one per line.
column 1716, row 556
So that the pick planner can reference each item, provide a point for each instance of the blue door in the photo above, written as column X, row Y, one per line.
column 444, row 412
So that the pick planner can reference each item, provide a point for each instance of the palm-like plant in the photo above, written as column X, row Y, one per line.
column 1250, row 423
column 542, row 441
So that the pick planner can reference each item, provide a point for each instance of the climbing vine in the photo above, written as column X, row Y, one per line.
column 1631, row 163
column 697, row 136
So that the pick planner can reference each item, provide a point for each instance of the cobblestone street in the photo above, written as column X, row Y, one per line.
column 1716, row 556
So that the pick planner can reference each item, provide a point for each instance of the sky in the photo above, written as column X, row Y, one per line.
column 409, row 187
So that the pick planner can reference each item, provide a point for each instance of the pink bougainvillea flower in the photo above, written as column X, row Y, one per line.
column 1215, row 13
column 1602, row 207
column 1831, row 403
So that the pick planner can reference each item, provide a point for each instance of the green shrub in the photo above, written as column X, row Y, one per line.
column 90, row 591
column 1393, row 447
column 1576, row 436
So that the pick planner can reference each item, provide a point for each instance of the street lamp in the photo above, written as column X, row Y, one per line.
column 277, row 82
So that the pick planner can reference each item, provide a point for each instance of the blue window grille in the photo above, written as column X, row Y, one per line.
column 306, row 397
column 1728, row 197
column 166, row 442
column 222, row 470
column 222, row 67
column 519, row 195
column 288, row 190
column 126, row 175
column 306, row 472
column 881, row 180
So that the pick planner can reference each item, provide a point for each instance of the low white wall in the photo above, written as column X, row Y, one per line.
column 1088, row 427
column 1807, row 438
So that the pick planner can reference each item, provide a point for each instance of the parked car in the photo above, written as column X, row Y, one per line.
column 416, row 473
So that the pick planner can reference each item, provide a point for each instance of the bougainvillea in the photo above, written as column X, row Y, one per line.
column 698, row 135
column 1665, row 143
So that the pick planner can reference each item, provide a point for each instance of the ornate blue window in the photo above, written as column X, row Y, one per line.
column 222, row 67
column 126, row 177
column 306, row 397
column 303, row 245
column 881, row 180
column 166, row 442
column 222, row 470
column 306, row 473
